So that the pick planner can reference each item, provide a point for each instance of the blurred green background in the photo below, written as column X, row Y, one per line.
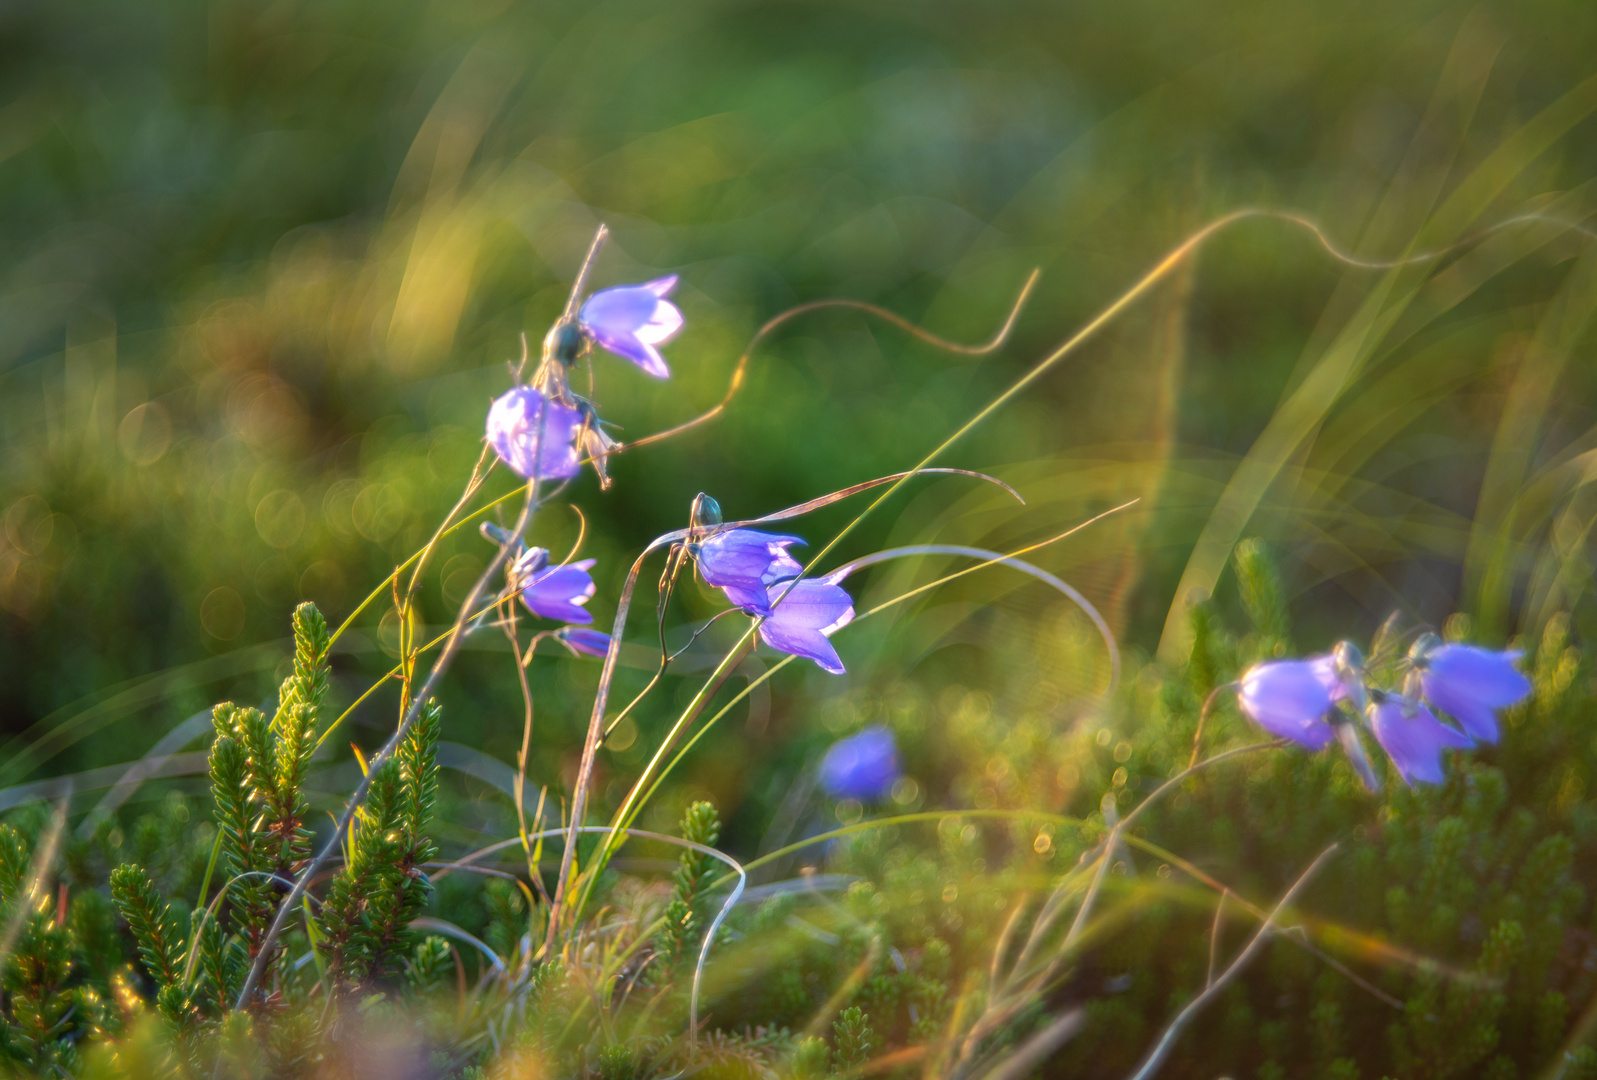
column 264, row 265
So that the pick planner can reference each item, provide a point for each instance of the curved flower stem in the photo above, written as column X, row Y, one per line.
column 741, row 369
column 1203, row 716
column 1166, row 1043
column 993, row 558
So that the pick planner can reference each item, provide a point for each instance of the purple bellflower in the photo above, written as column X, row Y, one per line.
column 803, row 615
column 1469, row 683
column 745, row 563
column 632, row 320
column 554, row 592
column 1291, row 698
column 535, row 435
column 580, row 639
column 1414, row 739
column 862, row 766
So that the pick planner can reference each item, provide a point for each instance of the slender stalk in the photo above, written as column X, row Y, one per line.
column 1167, row 1041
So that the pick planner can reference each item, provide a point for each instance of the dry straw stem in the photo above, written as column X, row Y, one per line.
column 1167, row 1041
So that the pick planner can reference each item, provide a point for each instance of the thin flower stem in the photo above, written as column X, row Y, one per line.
column 740, row 370
column 1166, row 1043
column 580, row 282
column 631, row 805
column 1214, row 937
column 1203, row 715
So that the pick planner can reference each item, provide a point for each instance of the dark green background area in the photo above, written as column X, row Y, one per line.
column 263, row 266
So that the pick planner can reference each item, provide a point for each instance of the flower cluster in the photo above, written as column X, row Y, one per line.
column 754, row 569
column 543, row 431
column 1316, row 700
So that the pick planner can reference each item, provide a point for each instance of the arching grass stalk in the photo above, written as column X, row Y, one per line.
column 633, row 805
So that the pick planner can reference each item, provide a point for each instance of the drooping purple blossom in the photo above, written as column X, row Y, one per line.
column 583, row 640
column 534, row 435
column 1414, row 739
column 1470, row 683
column 1291, row 698
column 554, row 592
column 862, row 766
column 630, row 321
column 745, row 563
column 802, row 616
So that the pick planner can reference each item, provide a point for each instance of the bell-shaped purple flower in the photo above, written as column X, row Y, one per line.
column 1414, row 739
column 745, row 562
column 803, row 615
column 534, row 435
column 1470, row 683
column 581, row 639
column 1290, row 698
column 554, row 592
column 631, row 320
column 863, row 766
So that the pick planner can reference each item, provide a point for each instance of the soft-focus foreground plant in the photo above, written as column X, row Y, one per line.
column 1051, row 922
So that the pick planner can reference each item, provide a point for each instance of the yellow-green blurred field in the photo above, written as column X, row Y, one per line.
column 264, row 266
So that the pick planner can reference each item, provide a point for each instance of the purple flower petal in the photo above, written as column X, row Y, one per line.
column 862, row 766
column 583, row 640
column 533, row 435
column 560, row 591
column 1469, row 683
column 1414, row 743
column 744, row 562
column 1289, row 699
column 631, row 320
column 803, row 618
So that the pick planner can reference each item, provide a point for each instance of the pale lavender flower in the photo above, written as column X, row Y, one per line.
column 1414, row 739
column 744, row 563
column 554, row 592
column 631, row 320
column 534, row 435
column 582, row 640
column 1470, row 683
column 1291, row 698
column 803, row 615
column 862, row 766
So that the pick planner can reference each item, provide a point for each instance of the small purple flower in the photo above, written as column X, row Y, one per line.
column 1290, row 698
column 582, row 640
column 800, row 621
column 631, row 320
column 1414, row 741
column 534, row 435
column 745, row 562
column 862, row 766
column 1469, row 683
column 554, row 592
